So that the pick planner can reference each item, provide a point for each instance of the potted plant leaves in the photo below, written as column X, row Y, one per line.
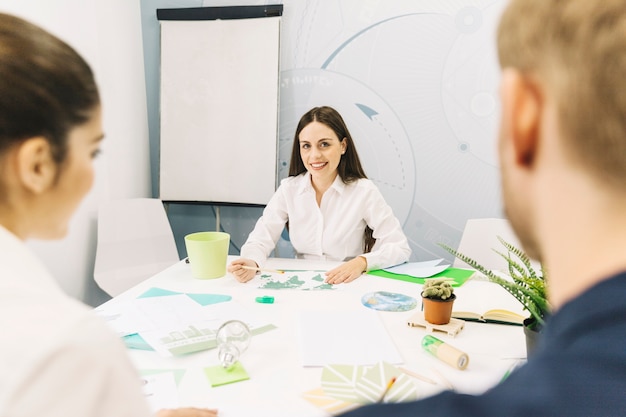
column 437, row 299
column 526, row 284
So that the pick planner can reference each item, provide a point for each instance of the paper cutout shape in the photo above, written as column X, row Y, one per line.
column 329, row 404
column 354, row 385
column 373, row 384
column 217, row 375
column 202, row 299
column 338, row 381
column 134, row 341
column 295, row 280
column 157, row 292
column 207, row 299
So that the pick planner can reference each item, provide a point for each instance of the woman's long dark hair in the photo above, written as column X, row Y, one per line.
column 349, row 168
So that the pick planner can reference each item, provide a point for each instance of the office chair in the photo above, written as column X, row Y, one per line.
column 135, row 241
column 479, row 238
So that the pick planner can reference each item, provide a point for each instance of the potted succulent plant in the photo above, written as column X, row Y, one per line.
column 526, row 284
column 437, row 298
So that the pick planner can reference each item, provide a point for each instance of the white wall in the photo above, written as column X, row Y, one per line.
column 416, row 82
column 108, row 35
column 415, row 79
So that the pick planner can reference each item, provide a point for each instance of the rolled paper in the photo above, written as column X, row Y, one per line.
column 445, row 352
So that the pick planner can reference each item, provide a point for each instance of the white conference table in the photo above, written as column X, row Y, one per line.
column 277, row 379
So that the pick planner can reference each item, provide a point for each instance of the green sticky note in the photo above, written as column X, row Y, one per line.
column 217, row 375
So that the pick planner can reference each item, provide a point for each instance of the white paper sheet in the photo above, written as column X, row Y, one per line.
column 160, row 391
column 176, row 324
column 423, row 269
column 145, row 314
column 347, row 337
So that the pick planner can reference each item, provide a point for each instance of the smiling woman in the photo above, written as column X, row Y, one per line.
column 332, row 210
column 57, row 357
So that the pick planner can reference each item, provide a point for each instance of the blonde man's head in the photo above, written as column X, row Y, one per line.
column 576, row 49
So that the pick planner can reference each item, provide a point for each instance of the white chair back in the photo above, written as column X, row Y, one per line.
column 480, row 238
column 135, row 241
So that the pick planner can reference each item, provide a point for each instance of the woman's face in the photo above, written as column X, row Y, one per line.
column 74, row 179
column 320, row 150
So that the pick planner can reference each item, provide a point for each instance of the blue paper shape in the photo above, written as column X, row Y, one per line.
column 202, row 299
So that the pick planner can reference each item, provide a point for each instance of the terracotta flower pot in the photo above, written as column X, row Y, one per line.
column 438, row 311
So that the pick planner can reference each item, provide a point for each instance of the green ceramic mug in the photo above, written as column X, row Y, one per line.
column 207, row 252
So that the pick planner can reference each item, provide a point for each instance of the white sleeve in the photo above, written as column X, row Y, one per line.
column 262, row 240
column 87, row 373
column 391, row 246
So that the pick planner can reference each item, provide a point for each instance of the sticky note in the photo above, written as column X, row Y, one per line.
column 217, row 375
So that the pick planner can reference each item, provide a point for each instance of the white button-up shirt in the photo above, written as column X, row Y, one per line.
column 334, row 230
column 57, row 358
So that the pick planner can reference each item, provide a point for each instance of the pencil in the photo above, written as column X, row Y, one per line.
column 254, row 268
column 389, row 385
column 446, row 383
column 418, row 376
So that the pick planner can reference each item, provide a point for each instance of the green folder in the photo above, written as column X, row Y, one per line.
column 459, row 275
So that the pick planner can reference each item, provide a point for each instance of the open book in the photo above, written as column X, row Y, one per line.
column 491, row 316
column 487, row 302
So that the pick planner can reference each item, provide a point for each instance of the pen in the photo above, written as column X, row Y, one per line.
column 389, row 385
column 254, row 268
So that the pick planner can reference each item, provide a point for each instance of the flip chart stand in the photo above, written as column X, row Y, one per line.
column 219, row 91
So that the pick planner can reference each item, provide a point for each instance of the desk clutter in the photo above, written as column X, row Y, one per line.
column 330, row 349
column 173, row 323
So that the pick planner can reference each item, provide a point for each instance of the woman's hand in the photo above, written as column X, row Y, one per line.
column 241, row 274
column 347, row 271
column 187, row 412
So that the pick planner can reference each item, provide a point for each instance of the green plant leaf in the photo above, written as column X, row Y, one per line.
column 528, row 287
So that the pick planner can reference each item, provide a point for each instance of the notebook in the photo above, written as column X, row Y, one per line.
column 486, row 302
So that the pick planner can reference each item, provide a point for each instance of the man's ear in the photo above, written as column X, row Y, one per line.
column 35, row 166
column 521, row 107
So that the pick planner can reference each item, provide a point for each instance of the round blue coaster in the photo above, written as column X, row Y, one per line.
column 388, row 301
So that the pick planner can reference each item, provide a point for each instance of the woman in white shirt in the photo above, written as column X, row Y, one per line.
column 331, row 209
column 58, row 359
